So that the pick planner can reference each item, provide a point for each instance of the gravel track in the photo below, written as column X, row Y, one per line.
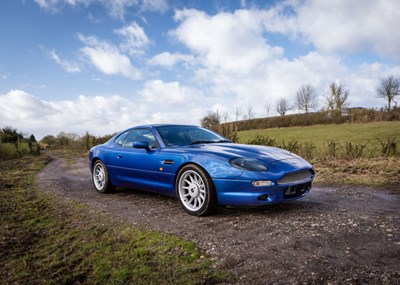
column 335, row 235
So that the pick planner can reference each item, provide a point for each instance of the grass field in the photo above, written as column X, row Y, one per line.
column 321, row 135
column 45, row 240
column 344, row 166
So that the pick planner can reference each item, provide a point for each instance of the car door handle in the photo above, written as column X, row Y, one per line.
column 167, row 161
column 119, row 156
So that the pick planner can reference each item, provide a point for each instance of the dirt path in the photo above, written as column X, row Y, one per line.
column 332, row 236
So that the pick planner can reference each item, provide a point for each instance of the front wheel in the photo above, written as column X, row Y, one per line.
column 100, row 178
column 195, row 191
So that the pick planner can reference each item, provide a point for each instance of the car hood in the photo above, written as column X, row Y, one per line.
column 266, row 154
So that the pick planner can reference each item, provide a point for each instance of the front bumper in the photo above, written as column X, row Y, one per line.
column 243, row 193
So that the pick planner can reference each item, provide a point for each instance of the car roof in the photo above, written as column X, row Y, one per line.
column 164, row 125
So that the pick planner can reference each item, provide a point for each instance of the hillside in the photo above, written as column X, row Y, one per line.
column 320, row 135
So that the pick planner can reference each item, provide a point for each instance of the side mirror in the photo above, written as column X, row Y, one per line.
column 143, row 145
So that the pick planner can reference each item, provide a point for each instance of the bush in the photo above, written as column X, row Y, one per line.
column 353, row 150
column 261, row 140
column 331, row 148
column 13, row 150
column 389, row 147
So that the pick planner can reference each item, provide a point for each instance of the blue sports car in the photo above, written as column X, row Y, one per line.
column 201, row 168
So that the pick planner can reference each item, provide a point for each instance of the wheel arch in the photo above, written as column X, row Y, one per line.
column 93, row 162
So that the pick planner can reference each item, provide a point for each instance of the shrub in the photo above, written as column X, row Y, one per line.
column 388, row 147
column 353, row 150
column 13, row 150
column 292, row 146
column 307, row 150
column 261, row 140
column 332, row 148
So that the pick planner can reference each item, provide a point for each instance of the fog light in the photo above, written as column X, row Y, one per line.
column 263, row 197
column 262, row 183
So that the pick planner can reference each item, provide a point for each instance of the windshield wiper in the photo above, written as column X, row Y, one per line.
column 200, row 142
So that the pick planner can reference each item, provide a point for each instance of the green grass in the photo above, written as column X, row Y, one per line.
column 11, row 150
column 45, row 240
column 321, row 135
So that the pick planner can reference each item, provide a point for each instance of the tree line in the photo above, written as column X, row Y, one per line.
column 336, row 98
column 74, row 141
column 14, row 144
column 335, row 110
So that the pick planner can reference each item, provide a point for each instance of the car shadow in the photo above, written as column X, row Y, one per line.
column 273, row 209
column 152, row 198
column 141, row 194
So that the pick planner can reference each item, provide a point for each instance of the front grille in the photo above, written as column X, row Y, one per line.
column 296, row 177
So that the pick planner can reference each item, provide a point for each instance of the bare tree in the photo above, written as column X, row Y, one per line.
column 225, row 116
column 306, row 98
column 238, row 112
column 388, row 89
column 337, row 98
column 282, row 106
column 267, row 107
column 250, row 114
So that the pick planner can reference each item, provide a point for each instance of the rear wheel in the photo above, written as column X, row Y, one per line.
column 195, row 191
column 100, row 178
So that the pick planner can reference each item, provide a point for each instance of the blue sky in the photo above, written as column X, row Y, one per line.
column 103, row 66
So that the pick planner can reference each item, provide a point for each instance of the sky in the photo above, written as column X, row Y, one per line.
column 103, row 66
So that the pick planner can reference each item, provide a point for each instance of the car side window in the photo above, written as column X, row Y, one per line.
column 141, row 135
column 121, row 138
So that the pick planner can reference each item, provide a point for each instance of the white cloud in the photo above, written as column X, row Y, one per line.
column 49, row 5
column 342, row 25
column 155, row 5
column 24, row 111
column 68, row 66
column 55, row 6
column 107, row 58
column 232, row 42
column 101, row 115
column 168, row 60
column 116, row 8
column 170, row 94
column 134, row 38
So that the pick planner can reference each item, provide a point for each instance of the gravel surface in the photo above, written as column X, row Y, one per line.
column 335, row 235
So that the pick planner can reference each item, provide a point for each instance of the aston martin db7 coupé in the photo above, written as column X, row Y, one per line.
column 201, row 168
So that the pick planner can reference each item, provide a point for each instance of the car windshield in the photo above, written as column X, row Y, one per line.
column 188, row 135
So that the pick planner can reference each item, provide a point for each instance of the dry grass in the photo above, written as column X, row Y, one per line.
column 380, row 172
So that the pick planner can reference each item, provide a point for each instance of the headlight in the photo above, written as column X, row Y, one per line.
column 247, row 164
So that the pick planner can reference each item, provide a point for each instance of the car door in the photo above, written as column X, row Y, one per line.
column 137, row 166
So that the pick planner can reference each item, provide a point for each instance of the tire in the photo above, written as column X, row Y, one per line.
column 195, row 191
column 101, row 179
